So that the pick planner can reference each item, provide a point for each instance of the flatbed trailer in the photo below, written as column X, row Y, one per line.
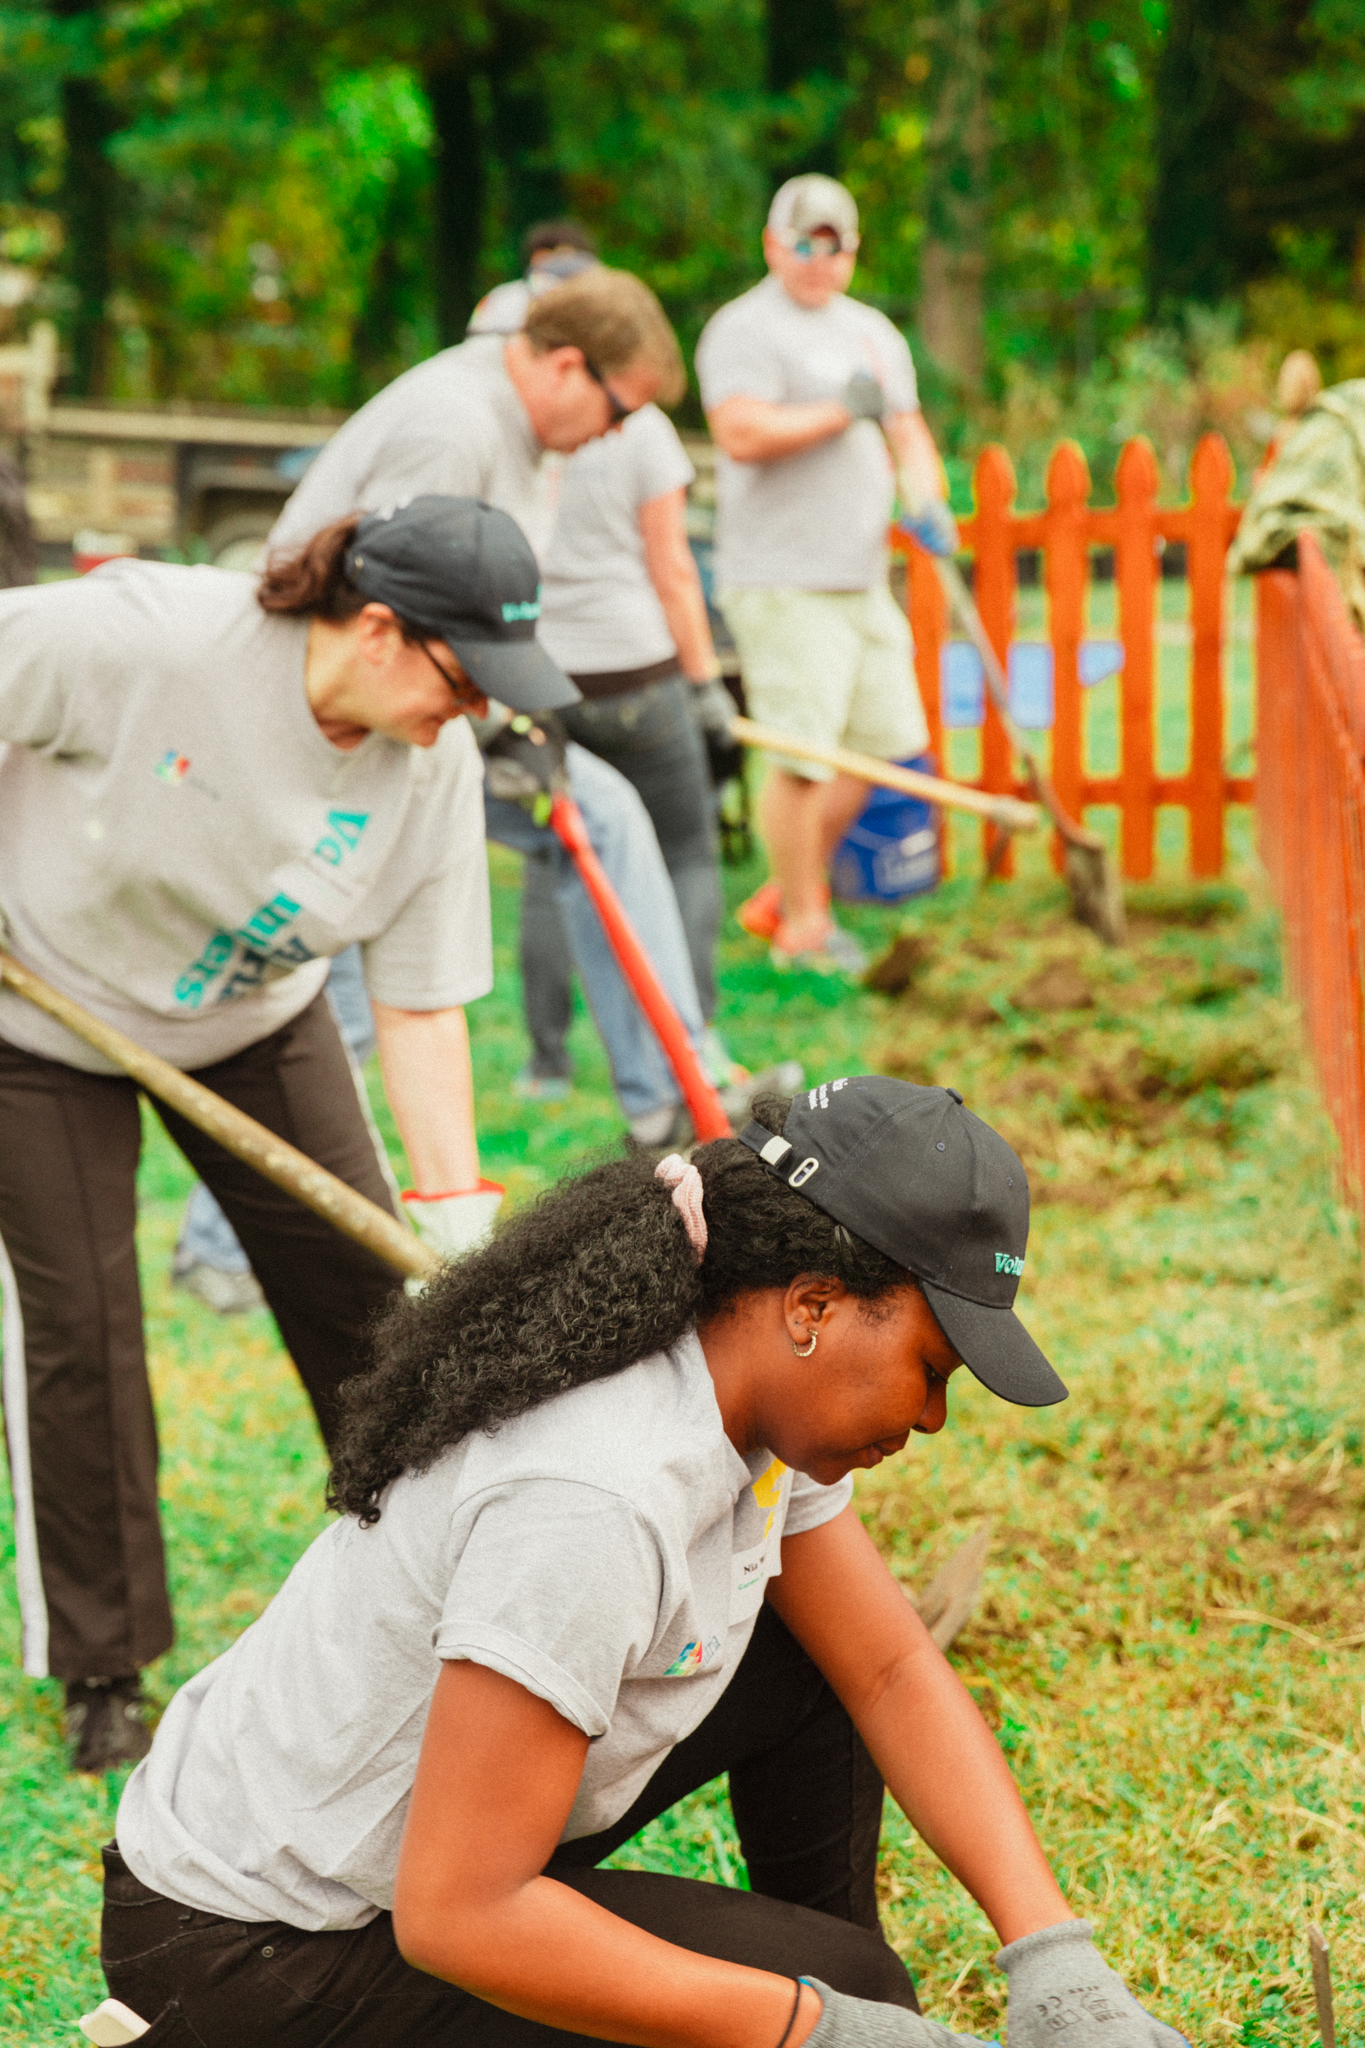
column 205, row 481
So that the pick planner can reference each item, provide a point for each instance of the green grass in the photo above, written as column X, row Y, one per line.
column 1197, row 1775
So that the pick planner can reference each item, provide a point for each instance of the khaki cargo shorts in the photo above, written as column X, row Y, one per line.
column 832, row 667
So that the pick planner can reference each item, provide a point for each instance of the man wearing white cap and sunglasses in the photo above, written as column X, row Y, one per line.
column 803, row 388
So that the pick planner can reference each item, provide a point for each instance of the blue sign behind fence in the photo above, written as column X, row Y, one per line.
column 1030, row 677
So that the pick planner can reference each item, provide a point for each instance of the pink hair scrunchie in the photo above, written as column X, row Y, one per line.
column 677, row 1173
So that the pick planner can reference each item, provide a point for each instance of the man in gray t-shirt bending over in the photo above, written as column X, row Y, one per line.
column 803, row 388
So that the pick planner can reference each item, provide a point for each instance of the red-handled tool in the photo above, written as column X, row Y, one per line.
column 699, row 1092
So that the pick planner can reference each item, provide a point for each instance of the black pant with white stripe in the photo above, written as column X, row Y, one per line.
column 78, row 1411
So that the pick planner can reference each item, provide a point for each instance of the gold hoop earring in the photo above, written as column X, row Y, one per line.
column 814, row 1340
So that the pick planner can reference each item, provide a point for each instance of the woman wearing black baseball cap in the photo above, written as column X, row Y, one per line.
column 212, row 786
column 596, row 1547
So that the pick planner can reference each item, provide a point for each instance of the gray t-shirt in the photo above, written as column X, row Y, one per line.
column 608, row 1551
column 182, row 850
column 599, row 609
column 817, row 520
column 454, row 425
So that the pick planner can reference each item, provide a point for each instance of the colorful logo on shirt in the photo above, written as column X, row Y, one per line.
column 768, row 1493
column 172, row 767
column 688, row 1660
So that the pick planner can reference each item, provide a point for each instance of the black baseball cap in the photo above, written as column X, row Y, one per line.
column 916, row 1175
column 461, row 571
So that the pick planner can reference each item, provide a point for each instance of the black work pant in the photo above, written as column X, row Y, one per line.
column 650, row 737
column 79, row 1424
column 807, row 1802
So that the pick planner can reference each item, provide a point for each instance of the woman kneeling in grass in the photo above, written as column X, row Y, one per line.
column 596, row 1548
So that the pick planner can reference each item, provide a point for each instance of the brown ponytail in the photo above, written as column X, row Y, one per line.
column 311, row 581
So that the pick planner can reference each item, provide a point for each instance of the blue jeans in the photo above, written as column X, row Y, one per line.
column 625, row 843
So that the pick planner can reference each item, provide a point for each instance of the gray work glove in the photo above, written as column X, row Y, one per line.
column 712, row 707
column 1061, row 1987
column 861, row 2023
column 933, row 526
column 863, row 396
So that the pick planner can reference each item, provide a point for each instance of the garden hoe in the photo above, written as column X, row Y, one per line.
column 352, row 1213
column 1096, row 897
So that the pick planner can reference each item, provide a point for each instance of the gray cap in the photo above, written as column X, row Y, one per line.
column 813, row 201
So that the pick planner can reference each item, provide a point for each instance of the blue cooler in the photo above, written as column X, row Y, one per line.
column 892, row 851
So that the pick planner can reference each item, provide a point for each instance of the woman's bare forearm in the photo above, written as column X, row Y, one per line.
column 940, row 1761
column 673, row 572
column 428, row 1078
column 495, row 1783
column 550, row 1955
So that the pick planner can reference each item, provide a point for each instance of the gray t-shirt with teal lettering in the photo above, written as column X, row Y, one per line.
column 608, row 1551
column 182, row 850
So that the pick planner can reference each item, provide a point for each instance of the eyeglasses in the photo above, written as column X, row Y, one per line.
column 467, row 692
column 819, row 242
column 619, row 412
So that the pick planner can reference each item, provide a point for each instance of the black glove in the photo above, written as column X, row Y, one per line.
column 712, row 708
column 863, row 396
column 524, row 763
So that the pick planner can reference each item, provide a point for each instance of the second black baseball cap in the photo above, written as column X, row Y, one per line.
column 915, row 1174
column 461, row 571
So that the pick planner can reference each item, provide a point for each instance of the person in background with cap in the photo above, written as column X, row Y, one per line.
column 185, row 861
column 596, row 1547
column 553, row 251
column 804, row 388
column 478, row 419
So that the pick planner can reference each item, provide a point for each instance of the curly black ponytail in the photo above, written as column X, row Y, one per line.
column 597, row 1274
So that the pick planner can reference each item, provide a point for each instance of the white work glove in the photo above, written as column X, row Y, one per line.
column 455, row 1224
column 933, row 526
column 1061, row 1986
column 848, row 2022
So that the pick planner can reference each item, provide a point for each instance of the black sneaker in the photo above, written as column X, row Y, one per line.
column 104, row 1724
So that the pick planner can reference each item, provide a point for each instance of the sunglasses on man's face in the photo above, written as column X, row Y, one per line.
column 619, row 412
column 820, row 242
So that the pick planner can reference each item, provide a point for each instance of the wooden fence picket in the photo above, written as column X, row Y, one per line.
column 1068, row 569
column 1066, row 531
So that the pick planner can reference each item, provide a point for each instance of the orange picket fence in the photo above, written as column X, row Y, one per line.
column 1066, row 531
column 1310, row 670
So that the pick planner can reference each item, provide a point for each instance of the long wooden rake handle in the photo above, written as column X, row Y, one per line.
column 1009, row 812
column 351, row 1213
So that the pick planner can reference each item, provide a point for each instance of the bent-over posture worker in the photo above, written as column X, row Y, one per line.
column 478, row 420
column 596, row 1546
column 212, row 787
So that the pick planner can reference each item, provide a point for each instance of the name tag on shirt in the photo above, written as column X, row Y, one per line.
column 750, row 1571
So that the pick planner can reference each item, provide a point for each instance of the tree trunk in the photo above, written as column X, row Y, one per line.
column 953, row 253
column 459, row 194
column 88, row 213
column 1193, row 243
column 806, row 48
column 523, row 143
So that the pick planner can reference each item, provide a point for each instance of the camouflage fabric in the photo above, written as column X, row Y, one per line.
column 1317, row 479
